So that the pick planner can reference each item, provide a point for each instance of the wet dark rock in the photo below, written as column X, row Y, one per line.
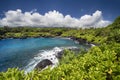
column 75, row 49
column 23, row 37
column 84, row 41
column 42, row 64
column 59, row 54
column 80, row 40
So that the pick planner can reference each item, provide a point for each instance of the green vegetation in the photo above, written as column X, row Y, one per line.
column 99, row 63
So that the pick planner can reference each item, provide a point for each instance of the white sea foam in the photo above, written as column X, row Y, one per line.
column 92, row 45
column 46, row 54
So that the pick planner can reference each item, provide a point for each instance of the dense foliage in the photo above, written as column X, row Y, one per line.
column 99, row 63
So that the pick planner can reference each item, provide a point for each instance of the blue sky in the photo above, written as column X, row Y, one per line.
column 75, row 8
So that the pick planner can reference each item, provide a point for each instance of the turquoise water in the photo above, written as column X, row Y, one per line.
column 19, row 52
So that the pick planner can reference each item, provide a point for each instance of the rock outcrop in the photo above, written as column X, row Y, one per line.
column 59, row 54
column 80, row 40
column 42, row 64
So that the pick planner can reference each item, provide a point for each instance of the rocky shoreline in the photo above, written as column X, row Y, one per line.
column 79, row 40
column 58, row 55
column 83, row 41
column 46, row 62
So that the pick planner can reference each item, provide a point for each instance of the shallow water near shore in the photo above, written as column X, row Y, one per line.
column 26, row 53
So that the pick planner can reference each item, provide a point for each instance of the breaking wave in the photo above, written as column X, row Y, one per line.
column 46, row 54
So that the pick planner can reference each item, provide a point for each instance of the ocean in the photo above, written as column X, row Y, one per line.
column 25, row 54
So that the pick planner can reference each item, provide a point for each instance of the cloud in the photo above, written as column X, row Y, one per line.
column 52, row 19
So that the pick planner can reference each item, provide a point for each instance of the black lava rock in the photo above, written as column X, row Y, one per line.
column 42, row 64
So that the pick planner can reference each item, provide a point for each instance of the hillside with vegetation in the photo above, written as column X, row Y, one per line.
column 101, row 62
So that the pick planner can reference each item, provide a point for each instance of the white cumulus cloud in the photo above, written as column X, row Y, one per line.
column 52, row 19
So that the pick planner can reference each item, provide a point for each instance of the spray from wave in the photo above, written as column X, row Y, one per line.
column 46, row 54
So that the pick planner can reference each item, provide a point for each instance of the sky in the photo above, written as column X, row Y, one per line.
column 58, row 13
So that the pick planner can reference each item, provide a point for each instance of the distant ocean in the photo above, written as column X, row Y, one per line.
column 26, row 53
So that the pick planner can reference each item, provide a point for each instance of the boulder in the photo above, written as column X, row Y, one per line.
column 42, row 64
column 59, row 54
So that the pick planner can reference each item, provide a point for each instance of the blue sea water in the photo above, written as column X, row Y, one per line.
column 19, row 52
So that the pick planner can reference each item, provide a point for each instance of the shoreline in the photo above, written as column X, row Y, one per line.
column 77, row 40
column 41, row 65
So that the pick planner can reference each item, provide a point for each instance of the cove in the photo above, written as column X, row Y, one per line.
column 26, row 53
